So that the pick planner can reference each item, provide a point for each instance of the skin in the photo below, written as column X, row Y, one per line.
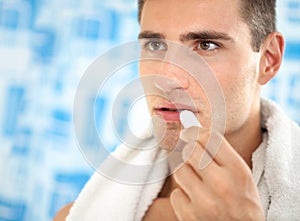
column 224, row 190
column 63, row 213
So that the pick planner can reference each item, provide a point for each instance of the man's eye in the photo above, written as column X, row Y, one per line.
column 156, row 46
column 206, row 46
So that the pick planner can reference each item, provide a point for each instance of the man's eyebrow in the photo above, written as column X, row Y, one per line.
column 150, row 34
column 205, row 35
column 200, row 35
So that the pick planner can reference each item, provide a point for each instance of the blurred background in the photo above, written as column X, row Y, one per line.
column 45, row 47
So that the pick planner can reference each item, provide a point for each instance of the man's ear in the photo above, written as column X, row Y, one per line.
column 272, row 55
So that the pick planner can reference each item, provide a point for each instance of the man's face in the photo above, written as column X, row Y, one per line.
column 215, row 30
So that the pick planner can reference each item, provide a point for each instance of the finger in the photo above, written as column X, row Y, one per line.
column 202, row 136
column 193, row 153
column 215, row 145
column 180, row 203
column 222, row 152
column 191, row 134
column 188, row 180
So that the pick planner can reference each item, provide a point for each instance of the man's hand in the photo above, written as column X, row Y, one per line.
column 221, row 190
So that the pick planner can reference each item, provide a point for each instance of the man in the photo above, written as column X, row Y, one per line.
column 251, row 176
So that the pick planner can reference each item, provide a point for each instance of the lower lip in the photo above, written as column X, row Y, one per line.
column 169, row 115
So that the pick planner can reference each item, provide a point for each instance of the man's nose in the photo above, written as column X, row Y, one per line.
column 171, row 77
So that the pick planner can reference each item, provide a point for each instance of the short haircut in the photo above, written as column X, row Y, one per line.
column 259, row 15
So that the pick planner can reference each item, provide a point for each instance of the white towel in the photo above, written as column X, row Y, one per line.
column 110, row 198
column 104, row 199
column 282, row 164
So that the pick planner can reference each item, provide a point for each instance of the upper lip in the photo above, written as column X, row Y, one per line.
column 175, row 107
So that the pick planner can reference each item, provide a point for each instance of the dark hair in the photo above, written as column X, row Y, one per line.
column 259, row 15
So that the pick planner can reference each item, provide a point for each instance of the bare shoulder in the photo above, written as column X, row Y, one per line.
column 63, row 213
column 160, row 209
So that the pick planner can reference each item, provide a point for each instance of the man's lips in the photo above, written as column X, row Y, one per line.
column 171, row 112
column 175, row 107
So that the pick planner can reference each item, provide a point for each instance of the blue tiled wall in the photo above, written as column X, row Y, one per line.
column 45, row 47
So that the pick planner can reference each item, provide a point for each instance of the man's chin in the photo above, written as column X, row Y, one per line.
column 168, row 139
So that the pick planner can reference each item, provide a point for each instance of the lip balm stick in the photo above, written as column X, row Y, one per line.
column 188, row 119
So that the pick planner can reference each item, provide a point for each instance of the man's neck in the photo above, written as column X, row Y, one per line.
column 247, row 139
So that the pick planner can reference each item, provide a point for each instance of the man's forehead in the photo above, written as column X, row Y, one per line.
column 191, row 19
column 212, row 7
